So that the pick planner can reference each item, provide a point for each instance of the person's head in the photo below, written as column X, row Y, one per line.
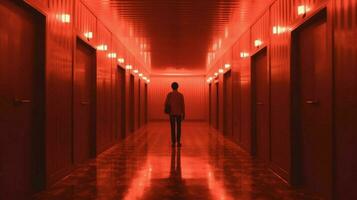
column 174, row 86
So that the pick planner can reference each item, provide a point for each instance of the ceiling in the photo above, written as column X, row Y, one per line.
column 178, row 33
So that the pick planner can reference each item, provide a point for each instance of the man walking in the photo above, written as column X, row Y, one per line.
column 175, row 108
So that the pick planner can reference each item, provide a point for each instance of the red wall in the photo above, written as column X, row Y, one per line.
column 61, row 40
column 342, row 23
column 193, row 89
column 345, row 64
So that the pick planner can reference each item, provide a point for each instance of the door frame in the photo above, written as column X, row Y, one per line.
column 320, row 13
column 93, row 106
column 254, row 141
column 38, row 172
column 230, row 135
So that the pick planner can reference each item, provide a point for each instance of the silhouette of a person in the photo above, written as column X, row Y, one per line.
column 175, row 108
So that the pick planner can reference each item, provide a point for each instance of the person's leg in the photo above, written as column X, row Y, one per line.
column 178, row 121
column 172, row 123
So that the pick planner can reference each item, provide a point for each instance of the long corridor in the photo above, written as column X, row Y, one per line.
column 145, row 166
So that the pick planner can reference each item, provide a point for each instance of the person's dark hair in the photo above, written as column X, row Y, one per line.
column 174, row 86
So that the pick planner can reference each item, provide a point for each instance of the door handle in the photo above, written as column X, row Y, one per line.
column 84, row 102
column 21, row 101
column 313, row 102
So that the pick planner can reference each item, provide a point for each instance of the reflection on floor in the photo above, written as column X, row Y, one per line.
column 144, row 166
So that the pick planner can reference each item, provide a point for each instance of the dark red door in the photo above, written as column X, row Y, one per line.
column 217, row 105
column 146, row 104
column 21, row 100
column 228, row 104
column 260, row 104
column 313, row 79
column 83, row 103
column 131, row 104
column 210, row 103
column 139, row 104
column 120, row 110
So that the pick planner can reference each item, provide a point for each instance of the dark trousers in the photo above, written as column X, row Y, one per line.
column 175, row 122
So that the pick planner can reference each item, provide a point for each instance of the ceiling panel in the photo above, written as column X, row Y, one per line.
column 177, row 33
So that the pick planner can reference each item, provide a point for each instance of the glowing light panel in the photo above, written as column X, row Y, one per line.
column 303, row 9
column 64, row 18
column 258, row 43
column 112, row 55
column 102, row 47
column 121, row 60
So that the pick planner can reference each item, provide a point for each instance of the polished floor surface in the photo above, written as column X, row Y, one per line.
column 144, row 166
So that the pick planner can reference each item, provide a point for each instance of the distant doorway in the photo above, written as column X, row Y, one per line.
column 210, row 103
column 312, row 106
column 260, row 106
column 131, row 104
column 217, row 106
column 22, row 100
column 139, row 104
column 120, row 103
column 228, row 105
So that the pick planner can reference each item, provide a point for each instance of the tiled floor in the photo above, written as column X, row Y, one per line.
column 144, row 166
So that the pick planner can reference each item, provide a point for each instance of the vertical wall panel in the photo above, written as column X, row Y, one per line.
column 236, row 93
column 261, row 31
column 193, row 89
column 245, row 89
column 104, row 124
column 85, row 22
column 136, row 102
column 280, row 89
column 345, row 63
column 59, row 87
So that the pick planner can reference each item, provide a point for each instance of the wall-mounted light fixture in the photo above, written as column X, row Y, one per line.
column 244, row 54
column 140, row 75
column 135, row 71
column 302, row 10
column 64, row 18
column 220, row 71
column 227, row 65
column 88, row 35
column 148, row 81
column 258, row 43
column 121, row 60
column 112, row 55
column 102, row 47
column 216, row 74
column 279, row 30
column 128, row 67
